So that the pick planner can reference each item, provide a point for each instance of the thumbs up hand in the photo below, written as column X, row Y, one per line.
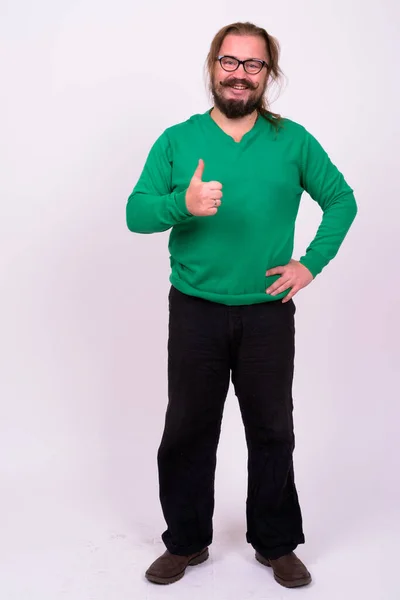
column 203, row 198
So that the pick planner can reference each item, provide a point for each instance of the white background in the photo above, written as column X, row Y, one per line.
column 87, row 87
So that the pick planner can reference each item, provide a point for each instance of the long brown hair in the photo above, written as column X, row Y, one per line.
column 275, row 74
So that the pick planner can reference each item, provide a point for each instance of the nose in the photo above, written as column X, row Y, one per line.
column 241, row 67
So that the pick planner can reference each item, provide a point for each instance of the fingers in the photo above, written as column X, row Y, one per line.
column 213, row 205
column 290, row 295
column 198, row 174
column 279, row 286
column 203, row 198
column 214, row 185
column 215, row 194
column 293, row 277
column 276, row 271
column 213, row 201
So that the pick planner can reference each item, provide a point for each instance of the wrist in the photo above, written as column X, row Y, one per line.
column 188, row 201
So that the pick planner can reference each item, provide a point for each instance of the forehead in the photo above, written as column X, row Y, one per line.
column 244, row 46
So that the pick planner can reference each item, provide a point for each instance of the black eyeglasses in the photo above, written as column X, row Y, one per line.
column 252, row 66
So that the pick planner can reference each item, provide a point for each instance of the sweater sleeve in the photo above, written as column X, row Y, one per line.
column 327, row 186
column 153, row 206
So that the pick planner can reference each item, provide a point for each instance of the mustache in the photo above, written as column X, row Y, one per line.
column 231, row 82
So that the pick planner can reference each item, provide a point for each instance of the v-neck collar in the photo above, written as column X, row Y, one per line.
column 247, row 136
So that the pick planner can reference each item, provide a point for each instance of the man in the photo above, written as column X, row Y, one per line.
column 229, row 183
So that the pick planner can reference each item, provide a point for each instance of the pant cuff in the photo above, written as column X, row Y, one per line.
column 276, row 551
column 184, row 550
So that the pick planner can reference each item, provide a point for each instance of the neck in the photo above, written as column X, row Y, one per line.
column 240, row 124
column 236, row 128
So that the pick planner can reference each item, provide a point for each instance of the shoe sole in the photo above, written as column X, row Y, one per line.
column 197, row 560
column 288, row 584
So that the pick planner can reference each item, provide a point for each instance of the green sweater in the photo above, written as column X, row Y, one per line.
column 224, row 258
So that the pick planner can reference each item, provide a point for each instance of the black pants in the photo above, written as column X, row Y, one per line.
column 207, row 343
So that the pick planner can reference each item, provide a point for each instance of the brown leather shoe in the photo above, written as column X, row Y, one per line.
column 169, row 568
column 288, row 570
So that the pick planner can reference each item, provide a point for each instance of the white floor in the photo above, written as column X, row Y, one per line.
column 80, row 517
column 74, row 538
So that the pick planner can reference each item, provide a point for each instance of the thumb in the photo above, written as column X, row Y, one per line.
column 198, row 174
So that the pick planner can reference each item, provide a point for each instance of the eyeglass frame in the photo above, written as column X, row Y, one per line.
column 242, row 62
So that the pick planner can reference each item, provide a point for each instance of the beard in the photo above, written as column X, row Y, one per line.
column 234, row 108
